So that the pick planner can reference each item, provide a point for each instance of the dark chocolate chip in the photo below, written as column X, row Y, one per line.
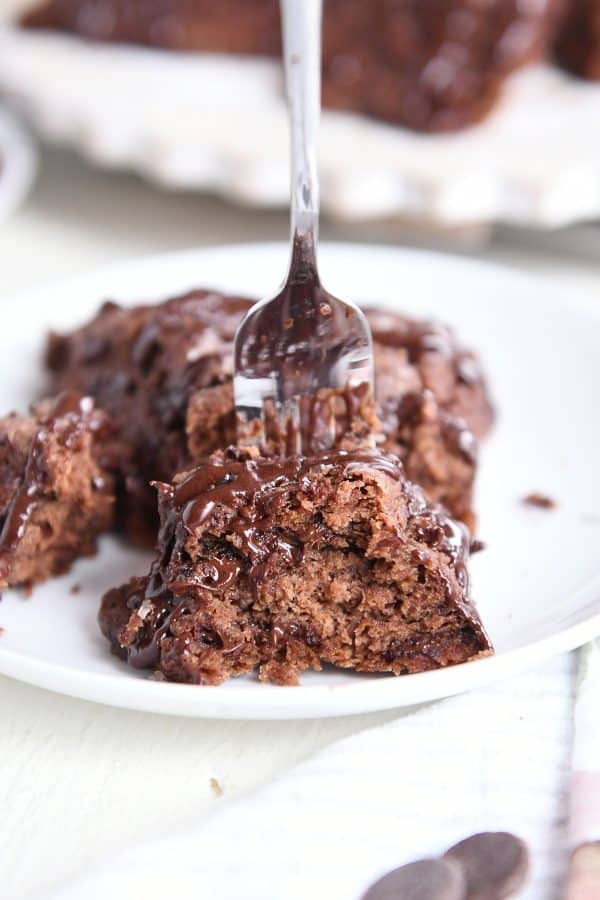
column 495, row 864
column 426, row 879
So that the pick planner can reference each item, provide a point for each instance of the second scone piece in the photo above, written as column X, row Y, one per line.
column 56, row 492
column 286, row 564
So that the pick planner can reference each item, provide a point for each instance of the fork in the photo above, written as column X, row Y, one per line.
column 296, row 352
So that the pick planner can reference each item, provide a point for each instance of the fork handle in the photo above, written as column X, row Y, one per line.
column 301, row 26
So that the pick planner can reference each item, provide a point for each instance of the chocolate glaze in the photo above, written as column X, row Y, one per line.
column 145, row 653
column 232, row 484
column 67, row 412
column 345, row 415
column 237, row 485
column 250, row 494
column 249, row 488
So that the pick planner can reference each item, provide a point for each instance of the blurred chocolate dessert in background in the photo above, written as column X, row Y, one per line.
column 429, row 65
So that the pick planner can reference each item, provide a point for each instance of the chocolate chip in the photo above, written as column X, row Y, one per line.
column 495, row 864
column 426, row 879
column 94, row 348
column 147, row 347
column 477, row 546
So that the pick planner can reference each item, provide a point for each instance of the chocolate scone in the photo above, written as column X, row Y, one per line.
column 432, row 65
column 229, row 26
column 56, row 496
column 285, row 564
column 143, row 365
column 433, row 406
column 164, row 374
column 578, row 44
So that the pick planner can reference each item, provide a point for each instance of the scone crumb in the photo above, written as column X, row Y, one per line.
column 156, row 676
column 216, row 787
column 542, row 501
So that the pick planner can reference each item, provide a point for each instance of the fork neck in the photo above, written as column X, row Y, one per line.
column 301, row 25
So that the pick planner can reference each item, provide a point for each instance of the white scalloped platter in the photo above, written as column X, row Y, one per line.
column 218, row 123
column 18, row 164
column 538, row 582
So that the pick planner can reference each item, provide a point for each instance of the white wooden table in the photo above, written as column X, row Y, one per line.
column 76, row 779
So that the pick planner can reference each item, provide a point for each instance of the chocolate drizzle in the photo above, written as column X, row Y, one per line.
column 232, row 484
column 241, row 487
column 64, row 415
column 237, row 512
column 337, row 417
column 249, row 488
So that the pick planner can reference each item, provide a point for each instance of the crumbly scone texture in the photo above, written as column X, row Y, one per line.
column 282, row 565
column 144, row 365
column 433, row 406
column 431, row 65
column 56, row 497
column 164, row 374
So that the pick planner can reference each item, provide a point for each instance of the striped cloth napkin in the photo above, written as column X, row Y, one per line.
column 495, row 759
column 584, row 788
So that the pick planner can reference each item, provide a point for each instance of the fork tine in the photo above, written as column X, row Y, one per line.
column 308, row 423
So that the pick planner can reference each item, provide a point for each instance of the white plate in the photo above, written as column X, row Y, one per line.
column 18, row 164
column 537, row 584
column 218, row 123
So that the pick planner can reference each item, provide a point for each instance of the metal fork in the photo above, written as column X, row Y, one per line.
column 303, row 343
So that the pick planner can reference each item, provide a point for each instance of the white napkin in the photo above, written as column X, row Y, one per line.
column 495, row 759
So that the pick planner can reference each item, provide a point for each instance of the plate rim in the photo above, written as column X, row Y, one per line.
column 142, row 698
